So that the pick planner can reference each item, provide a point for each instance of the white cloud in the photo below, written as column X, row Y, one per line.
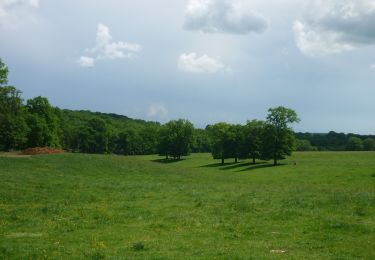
column 86, row 62
column 16, row 12
column 107, row 49
column 334, row 26
column 372, row 66
column 223, row 16
column 204, row 64
column 158, row 111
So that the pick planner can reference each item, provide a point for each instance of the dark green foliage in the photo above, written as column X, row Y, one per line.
column 43, row 123
column 94, row 137
column 201, row 143
column 369, row 144
column 3, row 73
column 238, row 145
column 330, row 142
column 175, row 138
column 122, row 142
column 252, row 142
column 222, row 141
column 354, row 144
column 304, row 146
column 126, row 136
column 278, row 137
column 13, row 128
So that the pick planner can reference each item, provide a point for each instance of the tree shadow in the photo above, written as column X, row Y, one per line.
column 261, row 166
column 232, row 165
column 165, row 161
column 213, row 165
column 238, row 165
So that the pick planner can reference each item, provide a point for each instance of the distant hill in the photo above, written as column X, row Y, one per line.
column 78, row 117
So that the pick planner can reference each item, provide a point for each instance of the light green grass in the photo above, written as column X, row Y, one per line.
column 92, row 206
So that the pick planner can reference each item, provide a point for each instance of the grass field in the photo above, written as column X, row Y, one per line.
column 92, row 206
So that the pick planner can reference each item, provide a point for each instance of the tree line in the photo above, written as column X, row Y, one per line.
column 334, row 142
column 36, row 123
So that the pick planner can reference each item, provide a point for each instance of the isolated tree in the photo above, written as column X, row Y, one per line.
column 13, row 128
column 277, row 136
column 369, row 144
column 354, row 144
column 43, row 123
column 222, row 139
column 175, row 138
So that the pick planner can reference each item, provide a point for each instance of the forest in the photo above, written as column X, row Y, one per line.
column 37, row 123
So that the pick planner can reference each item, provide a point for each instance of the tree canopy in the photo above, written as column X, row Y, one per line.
column 278, row 138
column 176, row 138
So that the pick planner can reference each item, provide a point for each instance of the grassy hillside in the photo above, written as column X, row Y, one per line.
column 94, row 206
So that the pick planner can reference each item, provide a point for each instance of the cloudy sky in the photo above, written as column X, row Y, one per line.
column 203, row 60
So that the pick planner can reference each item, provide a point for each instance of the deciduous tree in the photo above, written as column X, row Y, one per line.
column 13, row 128
column 278, row 138
column 222, row 139
column 43, row 123
column 176, row 138
column 354, row 144
column 369, row 144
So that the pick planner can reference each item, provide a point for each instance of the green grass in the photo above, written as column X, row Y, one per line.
column 92, row 206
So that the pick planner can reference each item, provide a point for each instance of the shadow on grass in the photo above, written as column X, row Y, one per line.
column 247, row 166
column 261, row 166
column 213, row 165
column 238, row 165
column 165, row 161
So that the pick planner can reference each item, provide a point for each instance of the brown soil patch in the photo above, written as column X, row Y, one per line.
column 41, row 150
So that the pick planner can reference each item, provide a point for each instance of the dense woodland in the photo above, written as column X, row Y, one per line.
column 36, row 123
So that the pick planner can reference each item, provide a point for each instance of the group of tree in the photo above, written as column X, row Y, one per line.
column 32, row 124
column 269, row 139
column 36, row 123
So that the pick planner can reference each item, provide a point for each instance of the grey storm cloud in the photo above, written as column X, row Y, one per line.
column 223, row 16
column 336, row 25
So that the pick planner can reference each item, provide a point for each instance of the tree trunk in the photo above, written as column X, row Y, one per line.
column 253, row 159
column 235, row 160
column 222, row 160
column 275, row 161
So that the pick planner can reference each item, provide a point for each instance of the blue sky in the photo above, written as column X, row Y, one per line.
column 203, row 60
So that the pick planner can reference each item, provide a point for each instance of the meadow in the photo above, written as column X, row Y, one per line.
column 317, row 205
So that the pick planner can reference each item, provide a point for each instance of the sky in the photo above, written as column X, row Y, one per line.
column 203, row 60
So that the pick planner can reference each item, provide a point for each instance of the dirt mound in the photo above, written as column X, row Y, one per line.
column 41, row 150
